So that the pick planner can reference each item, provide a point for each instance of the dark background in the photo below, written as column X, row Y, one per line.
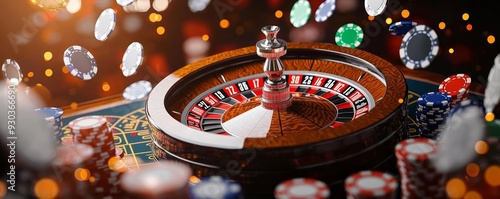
column 36, row 31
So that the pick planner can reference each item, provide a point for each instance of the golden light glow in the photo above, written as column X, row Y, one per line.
column 82, row 174
column 194, row 179
column 442, row 25
column 92, row 179
column 371, row 18
column 46, row 188
column 158, row 17
column 472, row 169
column 112, row 162
column 160, row 30
column 451, row 50
column 205, row 37
column 152, row 17
column 465, row 16
column 481, row 147
column 490, row 39
column 74, row 6
column 489, row 117
column 105, row 86
column 47, row 56
column 473, row 195
column 405, row 13
column 468, row 27
column 278, row 14
column 49, row 72
column 3, row 189
column 64, row 69
column 400, row 101
column 224, row 23
column 455, row 188
column 74, row 105
column 31, row 74
column 26, row 79
column 388, row 20
column 491, row 175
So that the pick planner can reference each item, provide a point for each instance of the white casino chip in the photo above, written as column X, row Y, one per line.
column 105, row 24
column 132, row 59
column 137, row 90
column 375, row 7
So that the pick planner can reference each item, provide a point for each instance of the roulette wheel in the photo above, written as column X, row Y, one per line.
column 263, row 114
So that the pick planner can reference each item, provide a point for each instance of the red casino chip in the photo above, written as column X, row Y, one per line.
column 416, row 149
column 302, row 188
column 88, row 124
column 371, row 184
column 456, row 84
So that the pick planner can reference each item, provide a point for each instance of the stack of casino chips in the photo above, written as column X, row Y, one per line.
column 302, row 188
column 71, row 165
column 215, row 187
column 53, row 116
column 419, row 177
column 432, row 109
column 457, row 86
column 94, row 131
column 371, row 185
column 166, row 179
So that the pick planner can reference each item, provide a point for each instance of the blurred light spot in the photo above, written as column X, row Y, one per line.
column 224, row 23
column 74, row 6
column 442, row 25
column 3, row 189
column 82, row 174
column 65, row 70
column 278, row 14
column 465, row 16
column 158, row 17
column 388, row 20
column 472, row 169
column 491, row 39
column 31, row 74
column 194, row 179
column 491, row 175
column 73, row 105
column 112, row 162
column 481, row 147
column 468, row 27
column 195, row 47
column 405, row 13
column 240, row 30
column 47, row 56
column 451, row 50
column 455, row 188
column 48, row 72
column 371, row 18
column 160, row 30
column 92, row 179
column 205, row 37
column 105, row 86
column 152, row 17
column 400, row 101
column 489, row 117
column 473, row 195
column 132, row 23
column 26, row 79
column 46, row 188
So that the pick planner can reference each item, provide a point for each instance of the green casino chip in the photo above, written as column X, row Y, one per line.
column 349, row 35
column 301, row 11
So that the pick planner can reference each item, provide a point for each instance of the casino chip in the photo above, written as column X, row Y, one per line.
column 137, row 90
column 132, row 59
column 301, row 188
column 52, row 5
column 432, row 109
column 53, row 116
column 401, row 27
column 371, row 184
column 419, row 47
column 105, row 24
column 349, row 35
column 325, row 10
column 375, row 7
column 215, row 187
column 124, row 2
column 301, row 11
column 457, row 86
column 12, row 72
column 80, row 62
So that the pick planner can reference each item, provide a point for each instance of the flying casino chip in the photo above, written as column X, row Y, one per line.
column 419, row 47
column 52, row 5
column 80, row 62
column 349, row 35
column 137, row 90
column 325, row 10
column 401, row 27
column 302, row 188
column 375, row 7
column 124, row 2
column 301, row 11
column 132, row 58
column 215, row 187
column 105, row 24
column 12, row 72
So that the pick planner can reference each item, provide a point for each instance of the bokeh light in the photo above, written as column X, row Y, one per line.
column 455, row 188
column 472, row 169
column 205, row 37
column 442, row 25
column 465, row 16
column 224, row 23
column 490, row 39
column 451, row 50
column 492, row 175
column 31, row 74
column 473, row 195
column 489, row 117
column 105, row 86
column 160, row 30
column 468, row 27
column 74, row 105
column 388, row 20
column 278, row 14
column 47, row 56
column 82, row 174
column 481, row 147
column 371, row 18
column 74, row 6
column 65, row 70
column 48, row 72
column 405, row 13
column 46, row 188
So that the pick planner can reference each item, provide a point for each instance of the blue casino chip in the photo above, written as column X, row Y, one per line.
column 50, row 113
column 400, row 28
column 215, row 187
column 434, row 99
column 419, row 47
column 325, row 10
